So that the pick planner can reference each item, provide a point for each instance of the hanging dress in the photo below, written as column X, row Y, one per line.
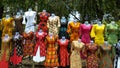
column 64, row 55
column 75, row 59
column 53, row 25
column 73, row 31
column 97, row 33
column 106, row 57
column 28, row 44
column 4, row 58
column 92, row 58
column 43, row 21
column 17, row 51
column 85, row 33
column 30, row 16
column 51, row 56
column 18, row 24
column 40, row 48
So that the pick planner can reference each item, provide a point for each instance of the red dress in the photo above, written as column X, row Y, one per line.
column 43, row 21
column 3, row 62
column 40, row 42
column 92, row 58
column 64, row 55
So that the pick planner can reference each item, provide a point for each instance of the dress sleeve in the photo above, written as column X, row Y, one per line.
column 24, row 21
column 48, row 22
column 59, row 22
column 80, row 30
column 92, row 34
column 69, row 28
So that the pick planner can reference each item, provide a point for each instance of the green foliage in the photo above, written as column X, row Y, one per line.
column 92, row 8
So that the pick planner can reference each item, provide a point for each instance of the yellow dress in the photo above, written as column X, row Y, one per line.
column 97, row 33
column 73, row 31
column 7, row 28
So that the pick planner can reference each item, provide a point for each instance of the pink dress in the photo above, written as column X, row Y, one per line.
column 85, row 33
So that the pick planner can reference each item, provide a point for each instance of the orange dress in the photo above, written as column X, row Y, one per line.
column 73, row 30
column 51, row 56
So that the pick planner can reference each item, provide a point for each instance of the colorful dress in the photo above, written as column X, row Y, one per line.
column 112, row 33
column 106, row 59
column 40, row 48
column 53, row 25
column 51, row 56
column 97, row 33
column 85, row 33
column 17, row 51
column 92, row 58
column 64, row 55
column 73, row 31
column 43, row 21
column 28, row 43
column 8, row 28
column 117, row 56
column 18, row 24
column 75, row 59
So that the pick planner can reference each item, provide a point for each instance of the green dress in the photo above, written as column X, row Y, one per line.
column 111, row 33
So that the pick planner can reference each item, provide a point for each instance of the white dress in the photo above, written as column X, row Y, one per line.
column 37, row 57
column 30, row 16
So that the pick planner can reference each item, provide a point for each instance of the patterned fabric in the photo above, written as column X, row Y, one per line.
column 17, row 51
column 63, row 29
column 97, row 33
column 112, row 33
column 53, row 24
column 51, row 57
column 43, row 21
column 73, row 30
column 28, row 44
column 75, row 59
column 18, row 24
column 40, row 42
column 106, row 58
column 117, row 56
column 5, row 50
column 8, row 26
column 85, row 33
column 92, row 58
column 64, row 55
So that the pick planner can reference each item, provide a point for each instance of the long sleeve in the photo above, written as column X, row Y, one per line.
column 24, row 21
column 48, row 22
column 69, row 29
column 59, row 22
column 92, row 34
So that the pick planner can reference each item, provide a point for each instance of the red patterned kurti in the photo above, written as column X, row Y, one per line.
column 92, row 59
column 43, row 21
column 40, row 42
column 64, row 55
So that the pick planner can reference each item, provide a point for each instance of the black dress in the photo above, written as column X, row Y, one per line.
column 62, row 31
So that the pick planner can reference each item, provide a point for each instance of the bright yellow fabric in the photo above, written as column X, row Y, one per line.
column 97, row 33
column 8, row 26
